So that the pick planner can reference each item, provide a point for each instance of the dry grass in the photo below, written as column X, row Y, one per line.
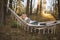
column 40, row 18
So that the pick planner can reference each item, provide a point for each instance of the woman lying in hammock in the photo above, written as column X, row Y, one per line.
column 28, row 20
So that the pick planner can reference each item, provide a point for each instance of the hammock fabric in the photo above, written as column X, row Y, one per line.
column 31, row 27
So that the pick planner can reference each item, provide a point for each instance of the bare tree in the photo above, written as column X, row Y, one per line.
column 27, row 8
column 10, row 4
column 1, row 11
column 31, row 7
column 40, row 6
column 37, row 9
column 3, row 7
column 59, row 8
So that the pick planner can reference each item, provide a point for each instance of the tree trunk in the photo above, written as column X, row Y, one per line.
column 10, row 5
column 3, row 5
column 1, row 11
column 31, row 7
column 27, row 8
column 37, row 9
column 5, row 10
column 40, row 6
column 59, row 9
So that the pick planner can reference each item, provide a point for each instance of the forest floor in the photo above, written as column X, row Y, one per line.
column 9, row 33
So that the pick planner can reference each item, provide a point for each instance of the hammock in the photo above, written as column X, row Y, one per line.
column 41, row 25
column 50, row 23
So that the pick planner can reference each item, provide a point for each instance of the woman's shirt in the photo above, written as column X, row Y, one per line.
column 30, row 21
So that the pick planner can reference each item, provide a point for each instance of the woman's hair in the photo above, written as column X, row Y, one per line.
column 23, row 14
column 20, row 14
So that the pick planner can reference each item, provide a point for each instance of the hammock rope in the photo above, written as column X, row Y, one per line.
column 34, row 27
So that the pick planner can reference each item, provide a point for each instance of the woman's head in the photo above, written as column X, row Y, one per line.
column 23, row 16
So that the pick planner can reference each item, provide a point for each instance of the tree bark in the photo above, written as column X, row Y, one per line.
column 59, row 9
column 1, row 11
column 27, row 8
column 31, row 7
column 40, row 6
column 3, row 5
column 10, row 5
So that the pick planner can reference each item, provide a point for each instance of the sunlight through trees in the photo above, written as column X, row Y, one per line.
column 44, row 8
